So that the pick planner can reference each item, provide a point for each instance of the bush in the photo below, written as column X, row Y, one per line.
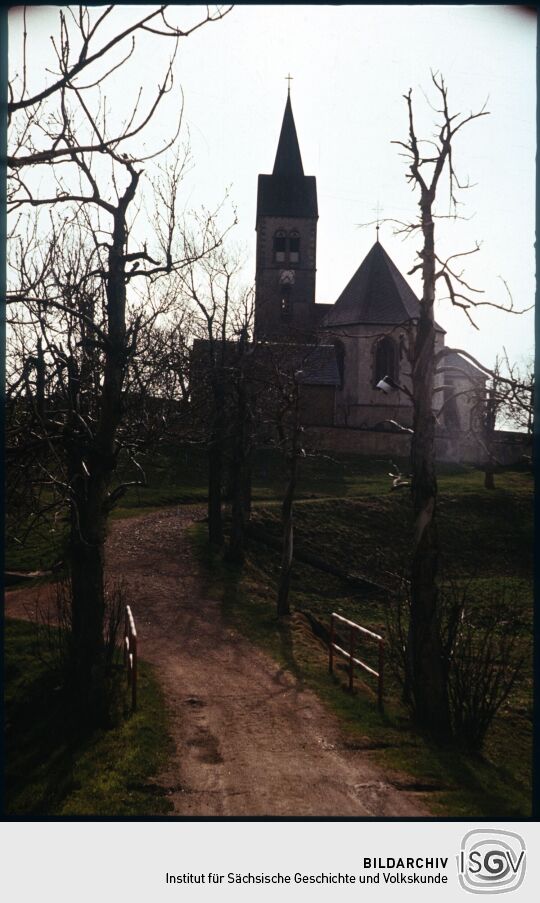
column 483, row 648
column 54, row 635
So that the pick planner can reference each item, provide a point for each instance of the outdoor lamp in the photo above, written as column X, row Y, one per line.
column 386, row 384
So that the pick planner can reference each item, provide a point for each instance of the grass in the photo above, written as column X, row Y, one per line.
column 38, row 551
column 178, row 475
column 346, row 514
column 54, row 769
column 484, row 534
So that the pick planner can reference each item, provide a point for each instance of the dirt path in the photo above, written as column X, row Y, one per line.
column 249, row 740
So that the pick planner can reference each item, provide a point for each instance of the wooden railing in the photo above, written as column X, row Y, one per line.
column 353, row 631
column 130, row 654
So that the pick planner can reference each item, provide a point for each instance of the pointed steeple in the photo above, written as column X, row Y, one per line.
column 287, row 192
column 288, row 160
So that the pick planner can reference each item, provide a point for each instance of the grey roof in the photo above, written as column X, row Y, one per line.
column 377, row 293
column 452, row 360
column 320, row 367
column 287, row 192
column 288, row 160
column 314, row 365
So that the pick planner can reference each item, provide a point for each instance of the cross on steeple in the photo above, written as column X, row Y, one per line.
column 377, row 210
column 289, row 79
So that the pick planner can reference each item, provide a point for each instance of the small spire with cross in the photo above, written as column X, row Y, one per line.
column 378, row 210
column 289, row 79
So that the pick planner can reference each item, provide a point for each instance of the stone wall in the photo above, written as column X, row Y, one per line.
column 510, row 448
column 317, row 405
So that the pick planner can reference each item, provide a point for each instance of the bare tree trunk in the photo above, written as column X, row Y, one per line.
column 240, row 473
column 489, row 468
column 87, row 537
column 287, row 520
column 90, row 465
column 289, row 431
column 425, row 655
column 489, row 475
column 215, row 467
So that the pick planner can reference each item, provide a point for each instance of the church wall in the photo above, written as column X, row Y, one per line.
column 358, row 403
column 363, row 442
column 317, row 405
column 459, row 405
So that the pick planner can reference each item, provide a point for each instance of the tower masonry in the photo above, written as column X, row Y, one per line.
column 286, row 227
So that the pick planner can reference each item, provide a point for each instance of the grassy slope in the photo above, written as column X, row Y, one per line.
column 487, row 538
column 346, row 514
column 53, row 770
column 462, row 786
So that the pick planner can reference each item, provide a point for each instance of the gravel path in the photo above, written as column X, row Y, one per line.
column 249, row 740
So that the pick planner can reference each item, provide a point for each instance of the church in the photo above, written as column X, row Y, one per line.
column 356, row 372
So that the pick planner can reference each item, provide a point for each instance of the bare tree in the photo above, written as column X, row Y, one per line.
column 244, row 421
column 89, row 48
column 289, row 433
column 428, row 161
column 428, row 668
column 222, row 320
column 513, row 391
column 282, row 371
column 76, row 287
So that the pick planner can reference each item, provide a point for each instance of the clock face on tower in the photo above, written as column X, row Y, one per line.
column 286, row 277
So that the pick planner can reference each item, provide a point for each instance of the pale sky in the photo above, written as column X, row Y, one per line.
column 350, row 67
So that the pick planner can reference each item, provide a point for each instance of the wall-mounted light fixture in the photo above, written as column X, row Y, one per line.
column 387, row 384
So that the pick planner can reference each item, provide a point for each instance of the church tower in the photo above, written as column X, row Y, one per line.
column 286, row 243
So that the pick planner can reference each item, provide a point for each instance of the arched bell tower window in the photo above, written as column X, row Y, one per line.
column 287, row 247
column 280, row 246
column 386, row 360
column 294, row 247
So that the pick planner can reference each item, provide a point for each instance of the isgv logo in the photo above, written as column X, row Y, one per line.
column 491, row 862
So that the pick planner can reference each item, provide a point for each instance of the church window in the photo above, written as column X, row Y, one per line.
column 386, row 360
column 286, row 247
column 339, row 348
column 450, row 408
column 280, row 247
column 294, row 247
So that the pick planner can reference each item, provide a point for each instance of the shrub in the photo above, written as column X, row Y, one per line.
column 483, row 648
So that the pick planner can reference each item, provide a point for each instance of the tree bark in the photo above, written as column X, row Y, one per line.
column 489, row 475
column 215, row 467
column 428, row 668
column 87, row 538
column 90, row 465
column 287, row 519
column 490, row 419
column 240, row 472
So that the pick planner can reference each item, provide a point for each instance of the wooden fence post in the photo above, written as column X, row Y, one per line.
column 130, row 654
column 134, row 675
column 349, row 656
column 351, row 671
column 381, row 675
column 331, row 648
